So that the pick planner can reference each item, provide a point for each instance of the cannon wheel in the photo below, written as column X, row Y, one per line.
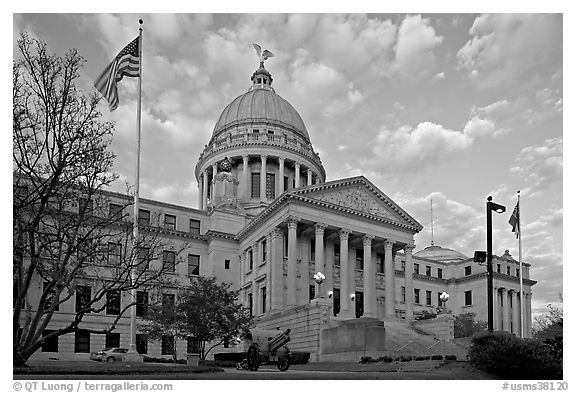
column 283, row 364
column 253, row 357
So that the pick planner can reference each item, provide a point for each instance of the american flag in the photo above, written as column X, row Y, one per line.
column 126, row 63
column 515, row 220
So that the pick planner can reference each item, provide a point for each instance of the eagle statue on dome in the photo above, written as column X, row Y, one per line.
column 262, row 54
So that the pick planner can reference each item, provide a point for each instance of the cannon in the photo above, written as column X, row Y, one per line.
column 268, row 346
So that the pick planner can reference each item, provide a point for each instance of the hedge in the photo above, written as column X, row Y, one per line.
column 297, row 357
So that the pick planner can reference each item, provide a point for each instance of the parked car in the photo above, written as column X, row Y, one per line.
column 109, row 355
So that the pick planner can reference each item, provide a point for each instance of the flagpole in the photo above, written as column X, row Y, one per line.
column 521, row 268
column 132, row 349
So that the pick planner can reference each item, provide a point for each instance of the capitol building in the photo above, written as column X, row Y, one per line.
column 268, row 220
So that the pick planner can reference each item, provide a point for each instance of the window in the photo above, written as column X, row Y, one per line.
column 49, row 297
column 467, row 270
column 142, row 343
column 250, row 304
column 498, row 268
column 168, row 304
column 517, row 272
column 50, row 345
column 226, row 264
column 403, row 294
column 359, row 259
column 141, row 303
column 416, row 268
column 112, row 304
column 114, row 253
column 144, row 217
column 255, row 185
column 85, row 205
column 270, row 186
column 468, row 298
column 263, row 245
column 311, row 292
column 115, row 211
column 143, row 258
column 169, row 261
column 193, row 345
column 508, row 270
column 169, row 221
column 379, row 263
column 428, row 298
column 312, row 249
column 416, row 296
column 336, row 301
column 193, row 265
column 439, row 273
column 285, row 183
column 263, row 297
column 83, row 297
column 250, row 259
column 336, row 254
column 439, row 300
column 403, row 266
column 112, row 340
column 359, row 300
column 167, row 345
column 82, row 341
column 429, row 271
column 194, row 226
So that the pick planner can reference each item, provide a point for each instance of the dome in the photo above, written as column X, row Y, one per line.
column 438, row 253
column 260, row 105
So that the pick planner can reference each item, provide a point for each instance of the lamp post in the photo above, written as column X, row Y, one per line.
column 319, row 278
column 490, row 207
column 444, row 298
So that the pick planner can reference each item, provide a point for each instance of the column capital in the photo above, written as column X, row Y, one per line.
column 242, row 256
column 254, row 247
column 276, row 233
column 296, row 164
column 344, row 234
column 319, row 228
column 408, row 248
column 281, row 160
column 292, row 222
column 263, row 156
column 367, row 239
column 388, row 244
column 245, row 157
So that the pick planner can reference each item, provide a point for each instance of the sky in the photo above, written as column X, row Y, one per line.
column 448, row 108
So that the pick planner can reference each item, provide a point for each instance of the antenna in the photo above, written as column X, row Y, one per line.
column 431, row 224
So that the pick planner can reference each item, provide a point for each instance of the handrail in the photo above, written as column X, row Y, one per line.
column 398, row 350
column 430, row 354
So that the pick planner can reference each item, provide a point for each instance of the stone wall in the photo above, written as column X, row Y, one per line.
column 441, row 327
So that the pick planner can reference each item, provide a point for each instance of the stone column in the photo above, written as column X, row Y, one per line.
column 263, row 178
column 276, row 270
column 497, row 322
column 297, row 175
column 515, row 313
column 242, row 259
column 246, row 177
column 205, row 190
column 281, row 176
column 212, row 188
column 292, row 223
column 505, row 310
column 200, row 207
column 344, row 282
column 328, row 267
column 255, row 302
column 269, row 262
column 309, row 179
column 319, row 257
column 369, row 279
column 409, row 284
column 389, row 306
column 528, row 316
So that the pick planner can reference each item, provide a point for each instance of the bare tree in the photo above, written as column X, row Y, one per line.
column 65, row 236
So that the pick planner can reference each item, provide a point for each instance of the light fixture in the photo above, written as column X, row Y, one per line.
column 330, row 294
column 352, row 296
column 490, row 207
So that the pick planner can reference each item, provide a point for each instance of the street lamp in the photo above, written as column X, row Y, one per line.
column 490, row 207
column 444, row 298
column 319, row 278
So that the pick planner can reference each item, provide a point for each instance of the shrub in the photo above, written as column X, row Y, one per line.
column 300, row 357
column 450, row 357
column 386, row 359
column 218, row 363
column 512, row 357
column 367, row 359
column 149, row 359
column 236, row 357
column 437, row 357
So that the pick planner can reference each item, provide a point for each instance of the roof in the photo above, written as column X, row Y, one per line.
column 440, row 254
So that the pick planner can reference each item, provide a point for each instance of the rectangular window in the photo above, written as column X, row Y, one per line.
column 403, row 294
column 285, row 183
column 311, row 292
column 416, row 296
column 250, row 259
column 468, row 298
column 193, row 265
column 112, row 340
column 336, row 254
column 439, row 273
column 193, row 345
column 508, row 270
column 144, row 217
column 115, row 211
column 85, row 206
column 142, row 344
column 82, row 341
column 270, row 132
column 194, row 226
column 167, row 345
column 143, row 259
column 312, row 249
column 517, row 272
column 379, row 263
column 263, row 298
column 498, row 268
column 114, row 253
column 359, row 300
column 83, row 297
column 255, row 185
column 250, row 304
column 168, row 304
column 141, row 304
column 169, row 221
column 226, row 264
column 49, row 297
column 428, row 298
column 359, row 259
column 255, row 131
column 336, row 301
column 169, row 261
column 112, row 303
column 50, row 345
column 270, row 186
column 439, row 300
column 467, row 270
column 403, row 266
column 263, row 245
column 429, row 271
column 416, row 268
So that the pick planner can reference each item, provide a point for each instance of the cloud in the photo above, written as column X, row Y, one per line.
column 541, row 165
column 477, row 127
column 506, row 49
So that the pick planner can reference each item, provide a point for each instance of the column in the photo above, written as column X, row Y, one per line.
column 263, row 178
column 528, row 316
column 246, row 178
column 200, row 193
column 297, row 175
column 369, row 278
column 497, row 321
column 344, row 284
column 255, row 302
column 319, row 257
column 389, row 311
column 269, row 275
column 515, row 313
column 292, row 223
column 309, row 174
column 205, row 190
column 242, row 259
column 409, row 284
column 328, row 267
column 214, row 173
column 505, row 310
column 276, row 270
column 281, row 176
